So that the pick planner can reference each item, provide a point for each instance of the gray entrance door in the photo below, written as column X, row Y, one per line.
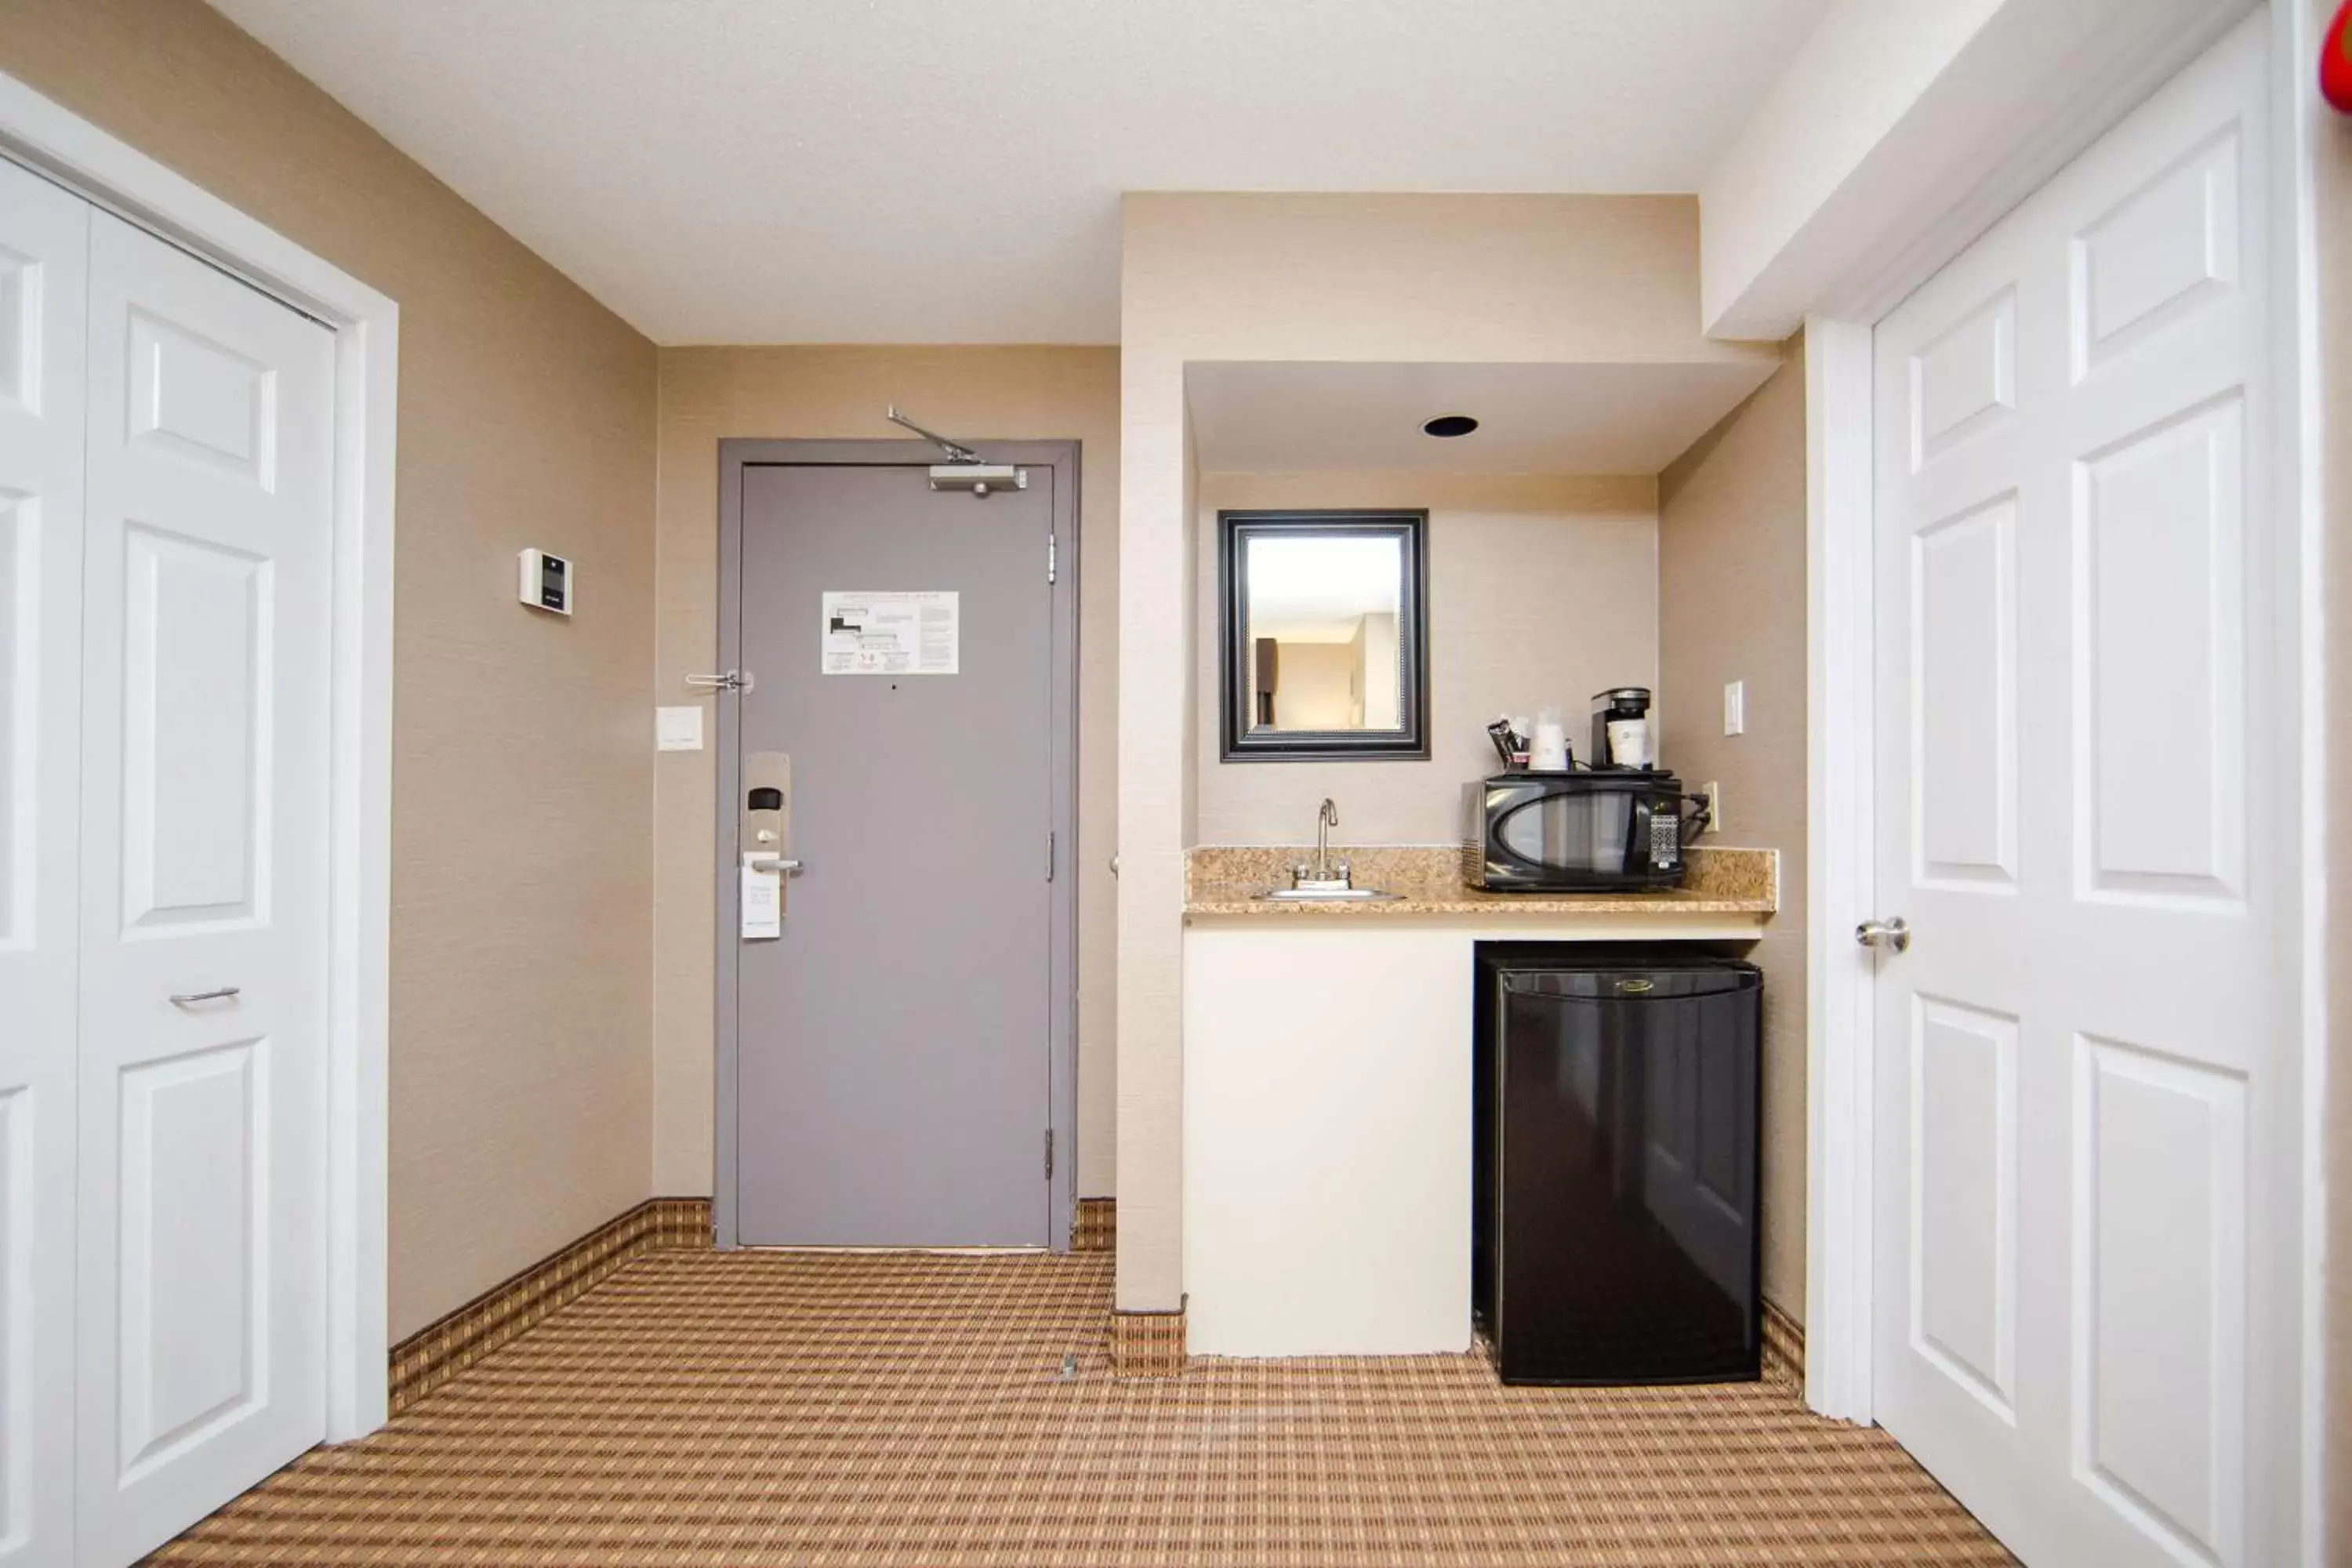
column 893, row 1049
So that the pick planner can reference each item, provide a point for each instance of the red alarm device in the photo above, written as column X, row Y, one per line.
column 2336, row 60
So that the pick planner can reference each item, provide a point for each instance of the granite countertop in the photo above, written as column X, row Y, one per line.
column 1226, row 880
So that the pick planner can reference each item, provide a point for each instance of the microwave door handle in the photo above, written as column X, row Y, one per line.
column 1638, row 859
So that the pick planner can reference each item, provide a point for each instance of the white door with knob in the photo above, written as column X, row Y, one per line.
column 164, row 578
column 2087, row 1164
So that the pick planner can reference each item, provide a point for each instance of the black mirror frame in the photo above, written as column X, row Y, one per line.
column 1410, row 740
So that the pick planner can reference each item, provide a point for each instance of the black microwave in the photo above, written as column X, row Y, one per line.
column 1608, row 830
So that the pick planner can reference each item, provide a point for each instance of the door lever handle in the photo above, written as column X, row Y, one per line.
column 1895, row 935
column 765, row 862
column 189, row 998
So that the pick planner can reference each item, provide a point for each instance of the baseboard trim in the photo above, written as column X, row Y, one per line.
column 1784, row 1345
column 1142, row 1344
column 1096, row 1227
column 1148, row 1345
column 442, row 1348
column 1152, row 1345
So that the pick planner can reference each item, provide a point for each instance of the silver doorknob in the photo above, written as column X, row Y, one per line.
column 1894, row 935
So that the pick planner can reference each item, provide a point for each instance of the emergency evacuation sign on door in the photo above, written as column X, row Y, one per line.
column 891, row 633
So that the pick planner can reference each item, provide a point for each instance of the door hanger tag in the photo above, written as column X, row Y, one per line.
column 763, row 897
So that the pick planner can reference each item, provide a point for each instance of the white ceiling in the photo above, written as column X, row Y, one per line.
column 948, row 171
column 1312, row 417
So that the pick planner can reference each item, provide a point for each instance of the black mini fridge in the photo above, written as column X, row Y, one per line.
column 1614, row 1163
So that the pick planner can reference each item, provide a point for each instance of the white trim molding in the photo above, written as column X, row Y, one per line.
column 1840, row 865
column 54, row 141
column 2299, row 495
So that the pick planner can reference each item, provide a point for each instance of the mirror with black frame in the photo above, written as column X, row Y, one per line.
column 1324, row 631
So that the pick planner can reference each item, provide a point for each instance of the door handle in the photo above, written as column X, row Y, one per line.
column 1895, row 935
column 189, row 998
column 758, row 862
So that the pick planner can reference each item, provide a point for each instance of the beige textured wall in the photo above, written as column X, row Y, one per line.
column 1543, row 589
column 522, row 876
column 1445, row 279
column 974, row 394
column 1731, row 568
column 2333, row 179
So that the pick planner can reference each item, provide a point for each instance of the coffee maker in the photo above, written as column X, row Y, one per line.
column 1620, row 729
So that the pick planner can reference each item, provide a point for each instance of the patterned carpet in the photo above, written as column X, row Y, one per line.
column 740, row 1409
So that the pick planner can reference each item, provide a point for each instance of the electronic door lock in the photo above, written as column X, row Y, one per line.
column 764, row 831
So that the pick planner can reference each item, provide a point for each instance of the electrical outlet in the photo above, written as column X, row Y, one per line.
column 1714, row 793
column 1735, row 707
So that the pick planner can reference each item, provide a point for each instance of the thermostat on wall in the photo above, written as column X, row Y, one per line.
column 546, row 582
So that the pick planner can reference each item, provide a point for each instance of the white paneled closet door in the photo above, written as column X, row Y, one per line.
column 203, row 891
column 44, row 254
column 2087, row 1174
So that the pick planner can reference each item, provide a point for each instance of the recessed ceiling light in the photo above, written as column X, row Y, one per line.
column 1445, row 426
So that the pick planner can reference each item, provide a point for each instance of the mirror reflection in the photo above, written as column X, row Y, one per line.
column 1323, row 651
column 1323, row 625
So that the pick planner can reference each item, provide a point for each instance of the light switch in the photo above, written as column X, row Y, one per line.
column 678, row 728
column 1735, row 707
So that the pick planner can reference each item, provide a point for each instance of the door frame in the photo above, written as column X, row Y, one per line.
column 738, row 453
column 1840, row 856
column 62, row 147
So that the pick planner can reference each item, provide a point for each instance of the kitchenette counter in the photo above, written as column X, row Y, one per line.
column 1327, row 1084
column 1224, row 882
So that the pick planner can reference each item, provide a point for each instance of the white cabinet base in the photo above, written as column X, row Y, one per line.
column 1327, row 1139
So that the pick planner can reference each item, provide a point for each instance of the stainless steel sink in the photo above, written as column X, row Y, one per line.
column 1324, row 881
column 1329, row 896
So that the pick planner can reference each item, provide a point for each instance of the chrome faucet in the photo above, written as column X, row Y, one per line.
column 1323, row 875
